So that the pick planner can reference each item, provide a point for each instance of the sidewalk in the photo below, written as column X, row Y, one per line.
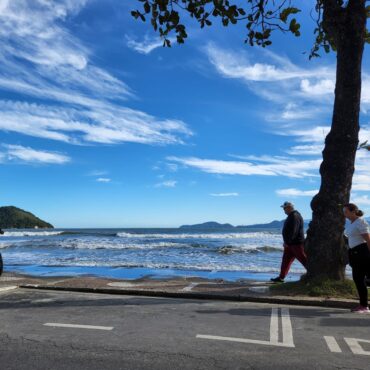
column 188, row 288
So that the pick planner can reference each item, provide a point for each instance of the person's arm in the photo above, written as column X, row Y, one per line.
column 367, row 239
column 296, row 225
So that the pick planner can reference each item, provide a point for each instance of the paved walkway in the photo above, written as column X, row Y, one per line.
column 194, row 288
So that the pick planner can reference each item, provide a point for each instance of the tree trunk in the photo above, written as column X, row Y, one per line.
column 325, row 244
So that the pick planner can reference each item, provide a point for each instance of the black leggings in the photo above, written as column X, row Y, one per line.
column 359, row 260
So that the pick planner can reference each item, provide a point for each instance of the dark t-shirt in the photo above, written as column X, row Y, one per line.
column 293, row 232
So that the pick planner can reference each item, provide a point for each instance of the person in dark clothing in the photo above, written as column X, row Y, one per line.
column 293, row 237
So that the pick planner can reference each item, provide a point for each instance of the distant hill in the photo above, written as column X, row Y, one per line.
column 271, row 225
column 208, row 226
column 276, row 224
column 13, row 217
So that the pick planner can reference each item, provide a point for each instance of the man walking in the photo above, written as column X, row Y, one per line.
column 293, row 236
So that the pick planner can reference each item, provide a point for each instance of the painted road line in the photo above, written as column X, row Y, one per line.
column 6, row 288
column 92, row 327
column 189, row 287
column 287, row 328
column 355, row 346
column 332, row 344
column 241, row 340
column 274, row 326
column 274, row 332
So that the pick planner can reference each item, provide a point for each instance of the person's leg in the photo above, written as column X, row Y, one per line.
column 359, row 277
column 286, row 262
column 300, row 254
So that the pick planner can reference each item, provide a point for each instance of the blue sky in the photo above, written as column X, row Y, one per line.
column 102, row 127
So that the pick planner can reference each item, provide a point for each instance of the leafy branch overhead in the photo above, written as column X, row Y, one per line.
column 261, row 18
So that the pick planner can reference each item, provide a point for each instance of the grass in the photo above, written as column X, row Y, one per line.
column 317, row 288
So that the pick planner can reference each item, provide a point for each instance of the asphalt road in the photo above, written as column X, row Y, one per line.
column 59, row 330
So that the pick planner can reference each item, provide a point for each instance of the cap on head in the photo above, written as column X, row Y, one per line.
column 287, row 204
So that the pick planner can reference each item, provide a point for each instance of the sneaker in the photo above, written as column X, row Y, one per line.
column 277, row 280
column 360, row 309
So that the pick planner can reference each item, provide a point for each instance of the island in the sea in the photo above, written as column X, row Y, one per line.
column 217, row 226
column 15, row 218
column 212, row 225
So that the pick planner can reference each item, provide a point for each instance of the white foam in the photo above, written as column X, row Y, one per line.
column 31, row 233
column 202, row 236
column 111, row 244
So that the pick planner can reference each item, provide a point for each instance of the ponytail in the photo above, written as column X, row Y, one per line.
column 353, row 208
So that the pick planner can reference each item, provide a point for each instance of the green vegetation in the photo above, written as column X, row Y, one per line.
column 317, row 288
column 13, row 217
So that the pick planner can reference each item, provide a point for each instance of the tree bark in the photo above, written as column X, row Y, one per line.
column 325, row 244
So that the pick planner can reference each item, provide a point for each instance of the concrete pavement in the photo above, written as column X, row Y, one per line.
column 63, row 330
column 192, row 288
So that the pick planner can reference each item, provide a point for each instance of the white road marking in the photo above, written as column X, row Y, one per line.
column 242, row 340
column 332, row 344
column 274, row 326
column 287, row 327
column 189, row 287
column 274, row 332
column 355, row 346
column 6, row 288
column 55, row 324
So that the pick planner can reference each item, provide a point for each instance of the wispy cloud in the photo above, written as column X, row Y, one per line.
column 103, row 179
column 296, row 193
column 97, row 173
column 146, row 46
column 30, row 155
column 362, row 200
column 166, row 184
column 80, row 102
column 268, row 75
column 224, row 194
column 272, row 166
column 233, row 65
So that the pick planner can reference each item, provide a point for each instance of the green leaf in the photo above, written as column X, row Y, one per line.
column 146, row 7
column 287, row 12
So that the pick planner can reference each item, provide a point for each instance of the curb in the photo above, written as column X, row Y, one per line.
column 299, row 301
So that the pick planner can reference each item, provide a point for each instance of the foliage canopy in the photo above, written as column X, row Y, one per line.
column 261, row 18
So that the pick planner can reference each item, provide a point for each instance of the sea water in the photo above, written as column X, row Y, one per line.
column 158, row 253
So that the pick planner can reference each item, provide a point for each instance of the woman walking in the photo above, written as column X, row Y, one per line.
column 358, row 233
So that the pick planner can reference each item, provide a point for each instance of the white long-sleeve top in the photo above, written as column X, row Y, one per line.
column 354, row 230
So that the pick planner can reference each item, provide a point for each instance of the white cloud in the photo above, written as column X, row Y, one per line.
column 306, row 149
column 82, row 103
column 103, row 179
column 277, row 79
column 97, row 173
column 296, row 193
column 363, row 200
column 29, row 155
column 224, row 194
column 233, row 65
column 145, row 46
column 323, row 87
column 166, row 184
column 273, row 166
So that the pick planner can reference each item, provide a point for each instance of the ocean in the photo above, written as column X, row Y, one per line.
column 135, row 253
